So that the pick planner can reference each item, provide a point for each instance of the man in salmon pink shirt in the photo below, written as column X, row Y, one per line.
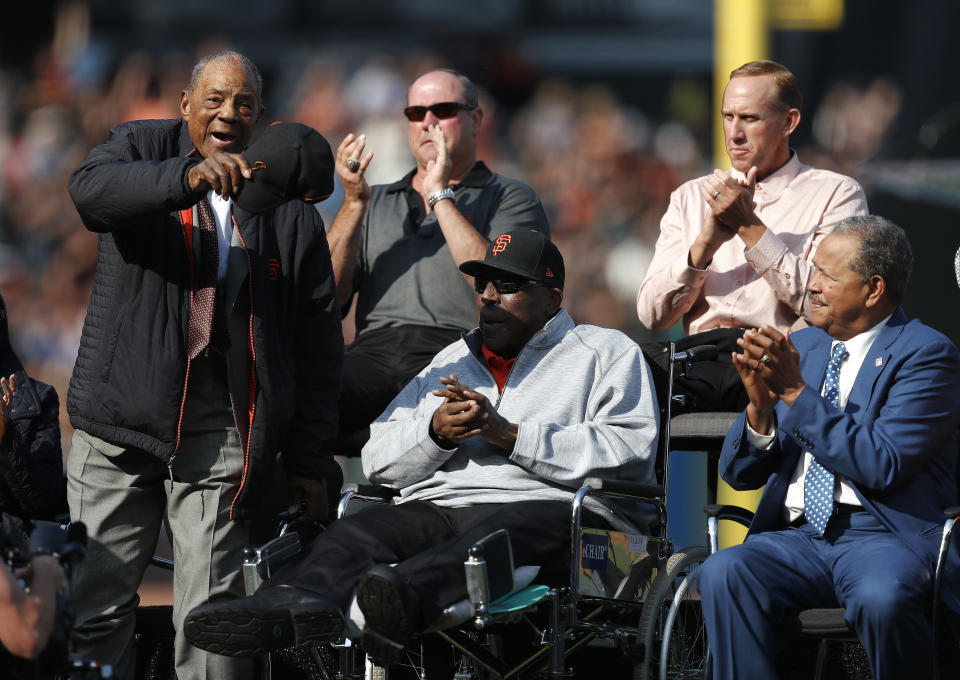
column 735, row 248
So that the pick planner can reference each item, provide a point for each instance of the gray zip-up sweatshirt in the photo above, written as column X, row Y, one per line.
column 584, row 402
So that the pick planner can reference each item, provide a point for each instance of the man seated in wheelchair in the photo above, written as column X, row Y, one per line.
column 852, row 427
column 497, row 432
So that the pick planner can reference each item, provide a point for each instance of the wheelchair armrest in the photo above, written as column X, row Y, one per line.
column 624, row 487
column 372, row 491
column 951, row 513
column 489, row 573
column 715, row 513
column 368, row 493
column 731, row 512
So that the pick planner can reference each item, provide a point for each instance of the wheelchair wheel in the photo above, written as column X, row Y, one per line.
column 683, row 650
column 672, row 632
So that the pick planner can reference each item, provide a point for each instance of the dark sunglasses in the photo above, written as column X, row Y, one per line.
column 504, row 286
column 443, row 110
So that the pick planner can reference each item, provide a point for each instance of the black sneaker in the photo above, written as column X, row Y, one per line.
column 272, row 618
column 391, row 614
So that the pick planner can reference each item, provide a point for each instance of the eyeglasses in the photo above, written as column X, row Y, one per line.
column 504, row 286
column 443, row 110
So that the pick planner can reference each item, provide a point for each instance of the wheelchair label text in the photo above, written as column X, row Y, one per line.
column 593, row 551
column 638, row 544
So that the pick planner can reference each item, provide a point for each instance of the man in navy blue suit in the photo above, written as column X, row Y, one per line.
column 852, row 427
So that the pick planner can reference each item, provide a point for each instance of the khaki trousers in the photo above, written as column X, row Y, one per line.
column 122, row 494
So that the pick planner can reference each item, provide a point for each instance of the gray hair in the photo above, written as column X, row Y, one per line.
column 470, row 97
column 245, row 62
column 884, row 251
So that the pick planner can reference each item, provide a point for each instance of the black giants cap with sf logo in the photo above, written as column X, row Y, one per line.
column 524, row 252
column 289, row 161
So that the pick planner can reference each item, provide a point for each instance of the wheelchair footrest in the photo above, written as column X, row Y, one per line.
column 522, row 599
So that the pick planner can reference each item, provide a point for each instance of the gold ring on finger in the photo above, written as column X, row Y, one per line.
column 765, row 359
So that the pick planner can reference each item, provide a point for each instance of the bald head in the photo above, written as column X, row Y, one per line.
column 460, row 125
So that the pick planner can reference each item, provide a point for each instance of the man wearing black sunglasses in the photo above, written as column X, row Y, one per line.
column 398, row 245
column 497, row 433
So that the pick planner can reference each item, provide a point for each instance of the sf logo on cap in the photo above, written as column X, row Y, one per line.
column 501, row 244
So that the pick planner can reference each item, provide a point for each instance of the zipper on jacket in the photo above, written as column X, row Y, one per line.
column 486, row 368
column 186, row 222
column 505, row 381
column 512, row 366
column 251, row 398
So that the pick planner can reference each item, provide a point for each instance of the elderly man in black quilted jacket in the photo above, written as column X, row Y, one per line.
column 212, row 343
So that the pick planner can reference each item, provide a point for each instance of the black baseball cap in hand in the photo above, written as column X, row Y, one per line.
column 289, row 161
column 523, row 252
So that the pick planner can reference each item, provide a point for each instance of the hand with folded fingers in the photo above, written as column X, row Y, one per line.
column 221, row 172
column 731, row 200
column 452, row 389
column 454, row 421
column 772, row 356
column 466, row 413
column 762, row 399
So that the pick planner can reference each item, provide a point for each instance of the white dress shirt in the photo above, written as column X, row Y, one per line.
column 222, row 211
column 857, row 348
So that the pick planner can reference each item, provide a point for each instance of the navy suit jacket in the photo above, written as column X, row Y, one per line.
column 895, row 441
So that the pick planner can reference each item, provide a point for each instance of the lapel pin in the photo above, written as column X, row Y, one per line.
column 879, row 362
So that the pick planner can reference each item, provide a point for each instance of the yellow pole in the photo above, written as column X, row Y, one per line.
column 740, row 34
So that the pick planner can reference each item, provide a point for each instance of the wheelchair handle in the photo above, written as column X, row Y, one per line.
column 698, row 353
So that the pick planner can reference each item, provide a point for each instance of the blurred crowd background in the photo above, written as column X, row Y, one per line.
column 603, row 107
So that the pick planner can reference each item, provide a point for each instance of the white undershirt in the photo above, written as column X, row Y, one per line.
column 221, row 212
column 857, row 348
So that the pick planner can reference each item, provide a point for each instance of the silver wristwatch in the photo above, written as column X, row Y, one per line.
column 439, row 196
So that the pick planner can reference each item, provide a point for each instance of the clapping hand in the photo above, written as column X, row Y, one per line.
column 465, row 413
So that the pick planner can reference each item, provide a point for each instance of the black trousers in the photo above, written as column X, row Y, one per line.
column 376, row 366
column 429, row 545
